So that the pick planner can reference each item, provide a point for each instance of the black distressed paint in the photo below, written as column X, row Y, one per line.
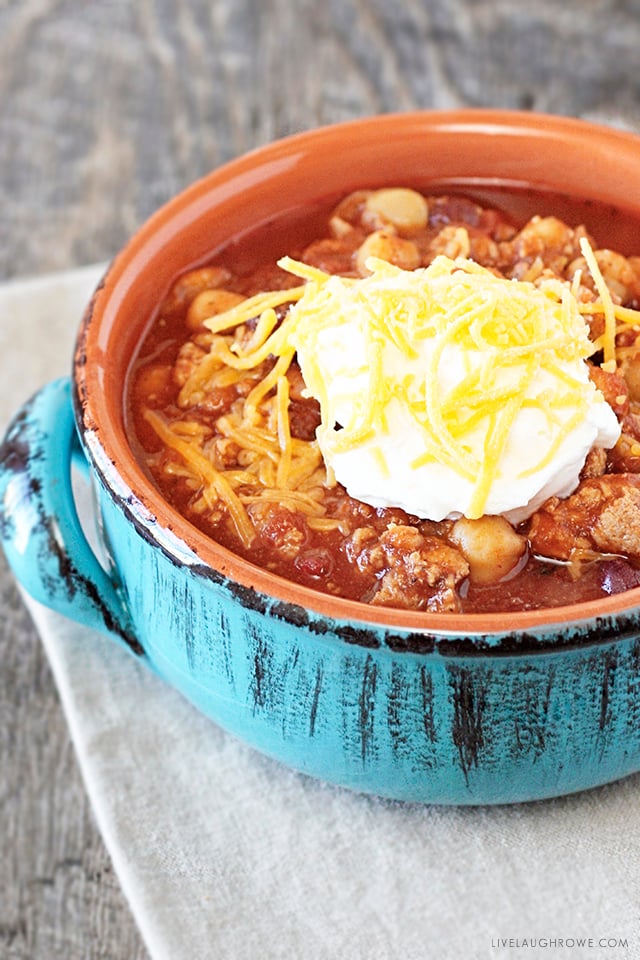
column 609, row 669
column 468, row 707
column 428, row 716
column 17, row 456
column 366, row 707
column 317, row 689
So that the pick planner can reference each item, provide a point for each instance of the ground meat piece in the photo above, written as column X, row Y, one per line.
column 280, row 528
column 304, row 412
column 550, row 239
column 350, row 512
column 304, row 418
column 631, row 422
column 267, row 276
column 602, row 515
column 204, row 403
column 595, row 464
column 333, row 255
column 421, row 572
column 225, row 452
column 483, row 249
column 461, row 210
column 189, row 356
column 618, row 527
column 386, row 245
column 452, row 241
column 629, row 368
column 624, row 457
column 621, row 275
column 363, row 549
column 297, row 386
column 613, row 387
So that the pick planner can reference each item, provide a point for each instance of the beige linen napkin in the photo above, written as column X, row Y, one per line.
column 225, row 854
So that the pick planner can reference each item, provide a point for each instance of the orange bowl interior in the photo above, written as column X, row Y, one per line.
column 476, row 150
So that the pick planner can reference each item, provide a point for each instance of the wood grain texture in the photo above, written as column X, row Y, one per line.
column 106, row 110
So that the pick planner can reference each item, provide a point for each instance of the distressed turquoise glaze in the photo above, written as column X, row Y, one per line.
column 403, row 714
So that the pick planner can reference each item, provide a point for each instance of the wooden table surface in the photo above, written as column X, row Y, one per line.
column 106, row 110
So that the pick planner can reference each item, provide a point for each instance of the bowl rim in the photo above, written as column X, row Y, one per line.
column 145, row 506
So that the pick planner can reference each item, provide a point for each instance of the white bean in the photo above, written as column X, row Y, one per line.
column 404, row 209
column 490, row 545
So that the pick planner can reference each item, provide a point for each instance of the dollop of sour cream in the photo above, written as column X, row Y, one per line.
column 449, row 391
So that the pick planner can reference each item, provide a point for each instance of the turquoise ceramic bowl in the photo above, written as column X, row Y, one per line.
column 418, row 707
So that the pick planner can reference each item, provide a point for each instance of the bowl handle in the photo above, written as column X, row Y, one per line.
column 42, row 536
